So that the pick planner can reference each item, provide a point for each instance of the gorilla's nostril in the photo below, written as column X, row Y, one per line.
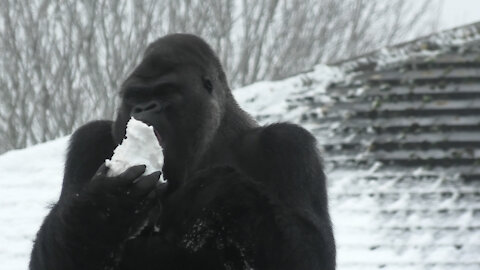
column 146, row 107
column 151, row 106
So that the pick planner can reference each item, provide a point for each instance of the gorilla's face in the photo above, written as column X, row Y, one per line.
column 176, row 91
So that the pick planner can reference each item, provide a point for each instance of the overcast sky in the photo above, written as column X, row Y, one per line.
column 459, row 12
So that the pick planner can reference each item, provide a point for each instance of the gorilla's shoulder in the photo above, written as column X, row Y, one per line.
column 93, row 130
column 93, row 136
column 286, row 135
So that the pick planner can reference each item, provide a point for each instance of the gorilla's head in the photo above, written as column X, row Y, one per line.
column 181, row 90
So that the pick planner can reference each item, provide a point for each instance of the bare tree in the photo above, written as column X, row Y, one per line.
column 62, row 61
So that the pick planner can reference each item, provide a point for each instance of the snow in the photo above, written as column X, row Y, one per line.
column 140, row 147
column 268, row 101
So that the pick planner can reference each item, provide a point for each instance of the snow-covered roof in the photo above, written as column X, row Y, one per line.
column 405, row 123
column 400, row 134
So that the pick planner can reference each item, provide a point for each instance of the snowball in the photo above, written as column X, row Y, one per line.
column 140, row 147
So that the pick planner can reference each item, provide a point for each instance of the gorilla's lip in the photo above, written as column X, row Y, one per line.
column 159, row 138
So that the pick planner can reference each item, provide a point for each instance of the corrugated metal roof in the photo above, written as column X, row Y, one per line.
column 406, row 123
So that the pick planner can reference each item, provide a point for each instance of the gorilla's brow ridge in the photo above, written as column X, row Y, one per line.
column 162, row 89
column 166, row 81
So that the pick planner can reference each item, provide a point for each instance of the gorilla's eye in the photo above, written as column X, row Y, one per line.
column 208, row 85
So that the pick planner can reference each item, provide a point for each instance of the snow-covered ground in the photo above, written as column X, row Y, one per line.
column 30, row 179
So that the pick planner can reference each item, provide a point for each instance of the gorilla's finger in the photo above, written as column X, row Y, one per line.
column 130, row 175
column 145, row 184
column 161, row 187
column 98, row 181
column 102, row 171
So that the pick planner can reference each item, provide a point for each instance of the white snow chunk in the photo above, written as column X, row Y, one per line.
column 140, row 147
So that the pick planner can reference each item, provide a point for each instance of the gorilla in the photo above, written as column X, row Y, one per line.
column 238, row 196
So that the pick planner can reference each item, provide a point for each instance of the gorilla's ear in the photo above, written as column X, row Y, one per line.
column 207, row 84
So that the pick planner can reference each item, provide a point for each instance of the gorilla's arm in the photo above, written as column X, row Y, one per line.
column 285, row 158
column 86, row 226
column 54, row 247
column 276, row 219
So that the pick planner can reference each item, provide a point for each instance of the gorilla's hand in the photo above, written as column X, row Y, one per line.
column 127, row 199
column 117, row 208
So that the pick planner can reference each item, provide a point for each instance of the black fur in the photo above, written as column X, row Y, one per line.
column 239, row 196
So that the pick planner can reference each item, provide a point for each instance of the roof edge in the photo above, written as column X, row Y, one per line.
column 427, row 45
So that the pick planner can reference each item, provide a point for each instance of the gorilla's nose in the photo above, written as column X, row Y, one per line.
column 147, row 108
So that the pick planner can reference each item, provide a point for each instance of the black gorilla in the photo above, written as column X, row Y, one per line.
column 239, row 196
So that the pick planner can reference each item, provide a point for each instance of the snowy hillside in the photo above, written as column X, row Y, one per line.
column 30, row 179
